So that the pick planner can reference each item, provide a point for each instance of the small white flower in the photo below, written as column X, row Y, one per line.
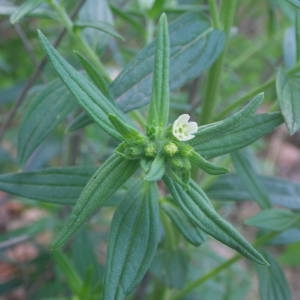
column 184, row 130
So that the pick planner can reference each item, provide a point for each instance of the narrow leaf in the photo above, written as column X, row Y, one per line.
column 159, row 105
column 48, row 108
column 250, row 179
column 194, row 46
column 96, row 77
column 82, row 120
column 275, row 219
column 210, row 168
column 194, row 204
column 281, row 192
column 101, row 26
column 103, row 184
column 27, row 7
column 288, row 89
column 157, row 169
column 236, row 131
column 190, row 231
column 133, row 241
column 125, row 130
column 88, row 96
column 272, row 282
column 54, row 185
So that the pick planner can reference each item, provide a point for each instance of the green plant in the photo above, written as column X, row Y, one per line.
column 154, row 173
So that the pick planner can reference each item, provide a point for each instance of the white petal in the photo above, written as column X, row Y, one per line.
column 182, row 119
column 193, row 127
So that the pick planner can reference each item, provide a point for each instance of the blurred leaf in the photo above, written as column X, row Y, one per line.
column 171, row 267
column 194, row 46
column 88, row 96
column 236, row 131
column 287, row 237
column 55, row 185
column 288, row 89
column 249, row 179
column 281, row 192
column 48, row 108
column 291, row 257
column 194, row 204
column 102, row 185
column 289, row 48
column 272, row 282
column 295, row 3
column 190, row 231
column 24, row 9
column 101, row 26
column 275, row 219
column 133, row 241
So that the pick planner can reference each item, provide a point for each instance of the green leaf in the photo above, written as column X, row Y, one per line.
column 101, row 26
column 100, row 82
column 54, row 185
column 249, row 179
column 157, row 169
column 194, row 204
column 48, row 108
column 281, row 192
column 194, row 46
column 288, row 89
column 88, row 96
column 68, row 269
column 236, row 131
column 127, row 132
column 210, row 168
column 133, row 241
column 295, row 3
column 102, row 185
column 272, row 282
column 159, row 105
column 275, row 219
column 190, row 231
column 82, row 120
column 27, row 7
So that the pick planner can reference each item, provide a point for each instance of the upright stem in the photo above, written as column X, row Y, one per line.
column 215, row 16
column 77, row 38
column 297, row 33
column 215, row 74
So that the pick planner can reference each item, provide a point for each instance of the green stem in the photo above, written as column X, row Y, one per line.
column 77, row 38
column 215, row 73
column 194, row 284
column 252, row 93
column 215, row 17
column 297, row 33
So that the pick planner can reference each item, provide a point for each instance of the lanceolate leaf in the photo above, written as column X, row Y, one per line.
column 288, row 89
column 190, row 231
column 101, row 26
column 24, row 9
column 133, row 241
column 194, row 204
column 275, row 219
column 281, row 192
column 159, row 105
column 235, row 132
column 55, row 185
column 194, row 46
column 97, row 78
column 272, row 282
column 91, row 99
column 102, row 185
column 47, row 110
column 250, row 179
